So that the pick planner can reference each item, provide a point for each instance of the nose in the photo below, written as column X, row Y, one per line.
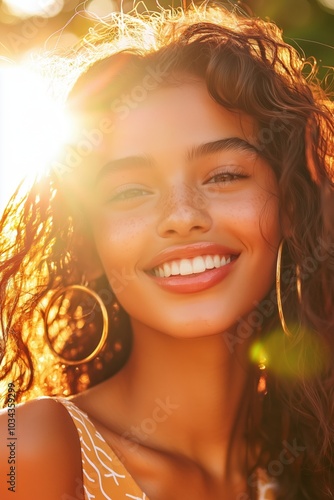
column 184, row 210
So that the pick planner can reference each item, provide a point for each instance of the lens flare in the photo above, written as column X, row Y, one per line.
column 33, row 127
column 28, row 8
column 302, row 357
column 327, row 4
column 102, row 8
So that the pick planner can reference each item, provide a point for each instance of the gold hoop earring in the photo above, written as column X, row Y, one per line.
column 66, row 324
column 278, row 288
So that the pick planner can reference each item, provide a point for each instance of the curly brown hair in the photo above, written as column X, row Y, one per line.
column 247, row 67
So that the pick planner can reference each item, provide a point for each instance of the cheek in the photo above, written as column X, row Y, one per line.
column 266, row 203
column 253, row 217
column 120, row 240
column 270, row 223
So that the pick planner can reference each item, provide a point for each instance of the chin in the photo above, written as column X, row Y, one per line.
column 192, row 330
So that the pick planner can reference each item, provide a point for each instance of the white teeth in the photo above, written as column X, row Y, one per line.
column 186, row 267
column 216, row 261
column 209, row 264
column 225, row 260
column 197, row 265
column 167, row 270
column 175, row 268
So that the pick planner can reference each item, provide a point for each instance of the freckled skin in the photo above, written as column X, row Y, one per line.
column 172, row 198
column 183, row 209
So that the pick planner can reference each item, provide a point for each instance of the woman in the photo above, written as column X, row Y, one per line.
column 174, row 273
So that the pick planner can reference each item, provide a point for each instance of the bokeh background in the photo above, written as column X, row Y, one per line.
column 28, row 27
column 29, row 24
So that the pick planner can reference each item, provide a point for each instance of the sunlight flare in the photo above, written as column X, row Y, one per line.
column 33, row 127
column 27, row 8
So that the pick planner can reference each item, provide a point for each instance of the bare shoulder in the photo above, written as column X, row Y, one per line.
column 39, row 452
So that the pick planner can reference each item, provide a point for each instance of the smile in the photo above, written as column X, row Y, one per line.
column 196, row 265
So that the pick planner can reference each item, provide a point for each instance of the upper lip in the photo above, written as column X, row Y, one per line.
column 178, row 252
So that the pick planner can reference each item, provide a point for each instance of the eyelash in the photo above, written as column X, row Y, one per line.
column 227, row 177
column 128, row 193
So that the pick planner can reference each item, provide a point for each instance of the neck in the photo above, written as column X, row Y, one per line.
column 194, row 389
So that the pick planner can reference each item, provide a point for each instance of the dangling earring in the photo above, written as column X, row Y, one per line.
column 262, row 382
column 278, row 288
column 64, row 322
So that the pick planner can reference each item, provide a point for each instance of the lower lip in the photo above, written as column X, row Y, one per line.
column 193, row 283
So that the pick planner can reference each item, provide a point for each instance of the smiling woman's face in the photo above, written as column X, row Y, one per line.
column 184, row 213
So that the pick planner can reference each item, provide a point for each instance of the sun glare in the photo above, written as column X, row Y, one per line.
column 33, row 127
column 44, row 8
column 328, row 4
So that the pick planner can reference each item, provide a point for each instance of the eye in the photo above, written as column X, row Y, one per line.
column 226, row 177
column 125, row 193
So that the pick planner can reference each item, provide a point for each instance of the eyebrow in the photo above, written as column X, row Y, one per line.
column 122, row 163
column 205, row 149
column 230, row 143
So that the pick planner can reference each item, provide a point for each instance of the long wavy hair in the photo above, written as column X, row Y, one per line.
column 247, row 67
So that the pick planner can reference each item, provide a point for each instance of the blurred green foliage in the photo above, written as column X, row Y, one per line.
column 306, row 25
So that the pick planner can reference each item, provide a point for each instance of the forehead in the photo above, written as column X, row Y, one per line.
column 164, row 128
column 178, row 117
